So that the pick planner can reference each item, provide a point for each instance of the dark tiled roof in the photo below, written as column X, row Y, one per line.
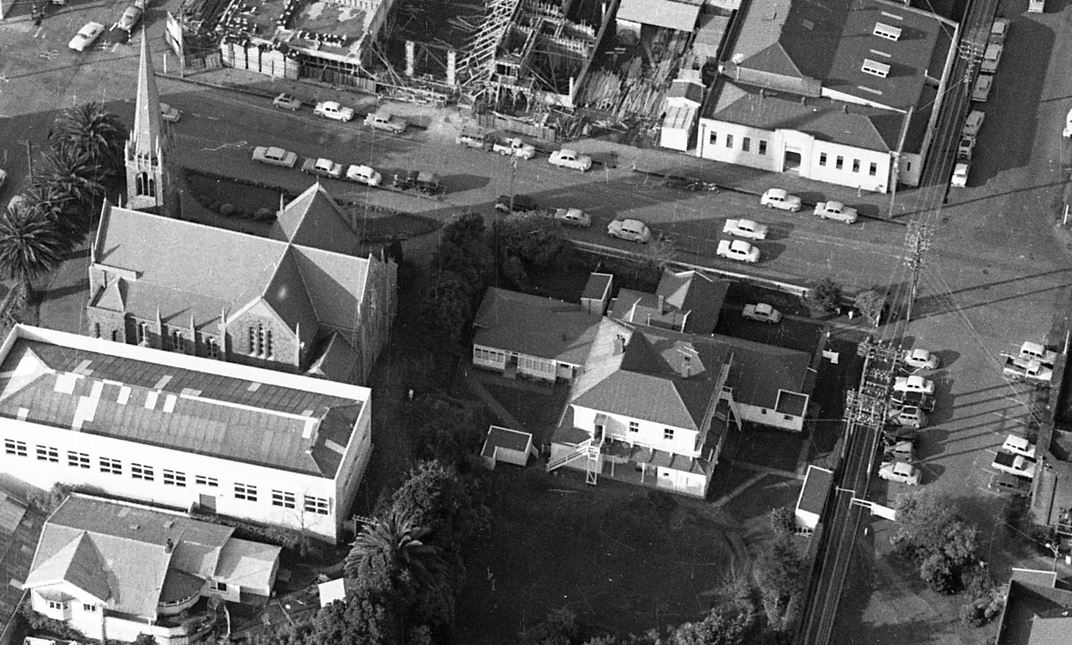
column 182, row 409
column 760, row 371
column 848, row 124
column 690, row 300
column 597, row 286
column 816, row 487
column 1035, row 615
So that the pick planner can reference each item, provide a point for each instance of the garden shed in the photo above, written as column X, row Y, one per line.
column 508, row 446
column 813, row 496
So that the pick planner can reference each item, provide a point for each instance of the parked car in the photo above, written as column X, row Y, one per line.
column 385, row 121
column 960, row 174
column 86, row 36
column 322, row 167
column 909, row 417
column 286, row 102
column 762, row 312
column 428, row 183
column 333, row 110
column 903, row 450
column 275, row 156
column 737, row 250
column 973, row 123
column 899, row 471
column 632, row 230
column 913, row 384
column 925, row 402
column 778, row 198
column 893, row 434
column 364, row 175
column 520, row 204
column 1018, row 445
column 836, row 211
column 573, row 217
column 515, row 147
column 981, row 91
column 169, row 114
column 1007, row 484
column 965, row 148
column 999, row 30
column 1038, row 352
column 991, row 58
column 920, row 359
column 566, row 158
column 745, row 228
column 472, row 139
column 1017, row 368
column 1018, row 465
column 131, row 15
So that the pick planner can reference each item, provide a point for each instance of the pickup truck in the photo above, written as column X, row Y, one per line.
column 745, row 228
column 836, row 211
column 1017, row 465
column 514, row 147
column 737, row 250
column 1018, row 368
column 762, row 312
column 386, row 122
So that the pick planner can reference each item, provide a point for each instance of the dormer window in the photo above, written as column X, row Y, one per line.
column 889, row 32
column 875, row 68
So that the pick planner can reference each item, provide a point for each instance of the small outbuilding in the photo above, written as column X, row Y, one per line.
column 508, row 446
column 813, row 497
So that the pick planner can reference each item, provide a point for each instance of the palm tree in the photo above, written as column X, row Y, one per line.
column 97, row 133
column 392, row 550
column 31, row 245
column 69, row 173
column 50, row 200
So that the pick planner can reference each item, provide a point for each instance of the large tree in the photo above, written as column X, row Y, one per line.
column 941, row 542
column 71, row 177
column 98, row 133
column 780, row 573
column 31, row 245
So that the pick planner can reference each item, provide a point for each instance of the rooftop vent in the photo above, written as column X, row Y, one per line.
column 875, row 68
column 889, row 32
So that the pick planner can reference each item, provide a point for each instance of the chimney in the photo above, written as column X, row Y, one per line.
column 662, row 304
column 619, row 344
column 686, row 363
column 169, row 546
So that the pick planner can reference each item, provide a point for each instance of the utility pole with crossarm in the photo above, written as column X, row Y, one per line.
column 917, row 241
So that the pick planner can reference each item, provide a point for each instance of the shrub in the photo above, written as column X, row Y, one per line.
column 227, row 209
column 826, row 295
column 39, row 623
column 782, row 521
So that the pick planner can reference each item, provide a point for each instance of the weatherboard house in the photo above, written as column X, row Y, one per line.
column 181, row 431
column 301, row 299
column 115, row 570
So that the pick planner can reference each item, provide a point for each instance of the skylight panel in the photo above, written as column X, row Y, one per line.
column 875, row 68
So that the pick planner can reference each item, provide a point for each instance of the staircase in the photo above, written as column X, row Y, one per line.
column 589, row 449
column 560, row 461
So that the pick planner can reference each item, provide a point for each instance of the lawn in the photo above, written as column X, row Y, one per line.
column 776, row 449
column 624, row 558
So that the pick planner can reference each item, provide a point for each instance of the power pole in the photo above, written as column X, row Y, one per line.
column 917, row 241
column 29, row 159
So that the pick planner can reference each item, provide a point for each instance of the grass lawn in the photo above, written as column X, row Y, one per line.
column 538, row 412
column 772, row 448
column 624, row 558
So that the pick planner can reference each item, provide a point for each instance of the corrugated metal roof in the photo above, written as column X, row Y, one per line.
column 176, row 408
column 672, row 14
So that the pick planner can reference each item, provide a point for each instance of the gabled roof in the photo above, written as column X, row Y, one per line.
column 1035, row 614
column 314, row 219
column 246, row 563
column 813, row 495
column 534, row 326
column 691, row 302
column 337, row 360
column 760, row 373
column 854, row 125
column 146, row 137
column 179, row 402
column 133, row 557
column 672, row 14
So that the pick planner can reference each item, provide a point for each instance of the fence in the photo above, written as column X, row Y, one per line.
column 541, row 133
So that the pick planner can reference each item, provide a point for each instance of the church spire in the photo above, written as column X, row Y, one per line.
column 147, row 123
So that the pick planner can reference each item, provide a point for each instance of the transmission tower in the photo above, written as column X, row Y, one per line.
column 917, row 241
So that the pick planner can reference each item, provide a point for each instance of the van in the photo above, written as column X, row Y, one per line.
column 1007, row 484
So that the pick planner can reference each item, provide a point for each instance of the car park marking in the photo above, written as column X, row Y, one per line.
column 238, row 144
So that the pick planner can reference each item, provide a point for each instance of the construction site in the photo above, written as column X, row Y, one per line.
column 631, row 67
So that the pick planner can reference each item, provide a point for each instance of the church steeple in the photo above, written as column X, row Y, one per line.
column 149, row 179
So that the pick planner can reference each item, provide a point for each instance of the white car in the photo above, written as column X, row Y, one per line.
column 632, row 230
column 973, row 124
column 1037, row 351
column 836, row 211
column 169, row 114
column 999, row 30
column 322, row 167
column 960, row 174
column 364, row 175
column 286, row 102
column 745, row 228
column 573, row 217
column 131, row 16
column 778, row 198
column 899, row 471
column 566, row 158
column 981, row 91
column 909, row 417
column 991, row 58
column 86, row 36
column 913, row 384
column 1018, row 445
column 275, row 156
column 921, row 359
column 333, row 110
column 384, row 121
column 737, row 250
column 513, row 146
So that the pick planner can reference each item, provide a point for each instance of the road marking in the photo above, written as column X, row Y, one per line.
column 237, row 144
column 38, row 32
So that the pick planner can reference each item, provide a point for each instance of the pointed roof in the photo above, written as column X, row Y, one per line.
column 315, row 219
column 77, row 562
column 148, row 130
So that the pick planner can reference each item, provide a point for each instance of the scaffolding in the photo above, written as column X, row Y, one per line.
column 478, row 63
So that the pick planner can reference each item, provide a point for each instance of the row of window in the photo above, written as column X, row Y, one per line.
column 57, row 605
column 174, row 341
column 668, row 433
column 839, row 164
column 260, row 341
column 489, row 355
column 170, row 477
column 746, row 142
